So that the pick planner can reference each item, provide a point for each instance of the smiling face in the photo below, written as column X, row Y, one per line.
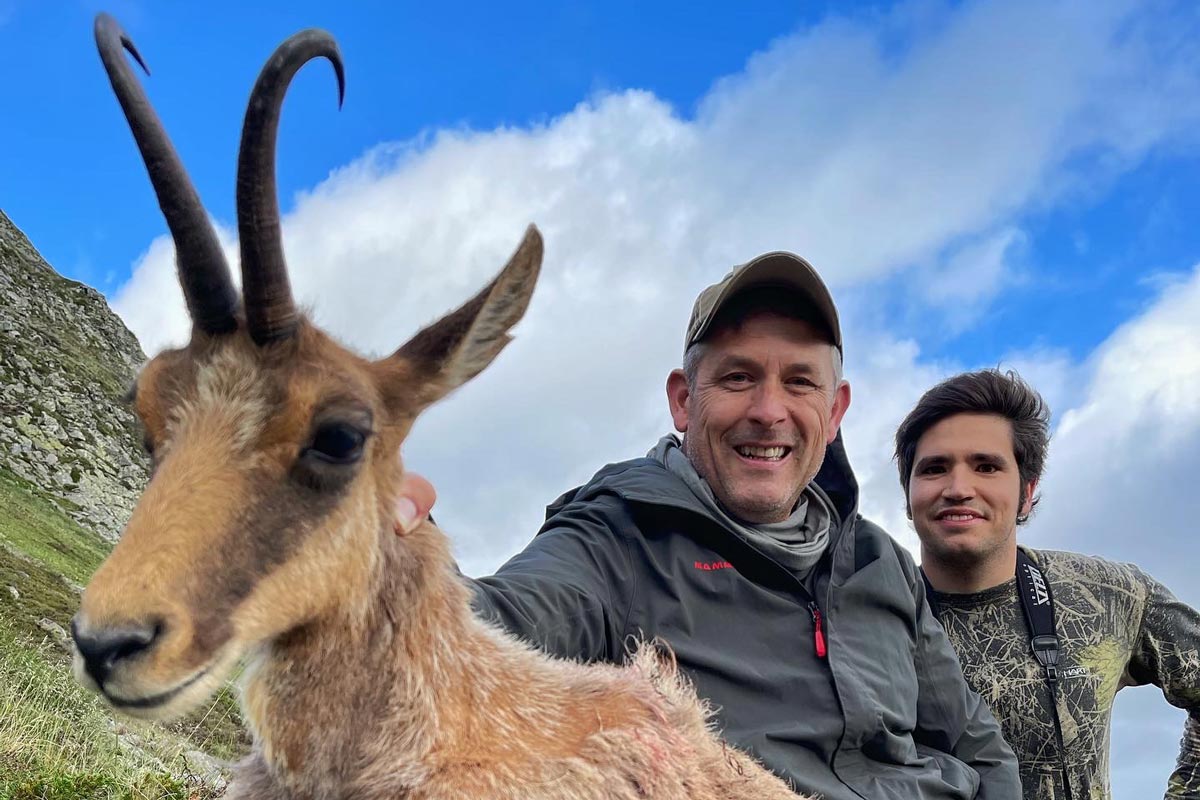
column 965, row 492
column 764, row 404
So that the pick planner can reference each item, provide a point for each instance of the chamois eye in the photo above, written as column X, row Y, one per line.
column 337, row 443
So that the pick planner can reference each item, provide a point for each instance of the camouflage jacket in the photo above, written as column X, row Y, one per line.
column 1117, row 627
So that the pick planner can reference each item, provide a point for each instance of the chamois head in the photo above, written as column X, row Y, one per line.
column 274, row 448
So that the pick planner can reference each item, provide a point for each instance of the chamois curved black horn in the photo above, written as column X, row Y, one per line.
column 203, row 272
column 270, row 311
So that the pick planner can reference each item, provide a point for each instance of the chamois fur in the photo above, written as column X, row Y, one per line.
column 266, row 535
column 412, row 696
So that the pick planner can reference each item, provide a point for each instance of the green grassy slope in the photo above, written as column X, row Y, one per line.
column 57, row 741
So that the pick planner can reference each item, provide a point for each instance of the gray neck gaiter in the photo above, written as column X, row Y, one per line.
column 797, row 542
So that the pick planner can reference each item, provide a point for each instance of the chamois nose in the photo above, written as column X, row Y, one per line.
column 103, row 650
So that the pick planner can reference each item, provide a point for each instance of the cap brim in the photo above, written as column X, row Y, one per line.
column 785, row 270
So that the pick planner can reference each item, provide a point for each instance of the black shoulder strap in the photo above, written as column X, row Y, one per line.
column 1037, row 602
column 1038, row 605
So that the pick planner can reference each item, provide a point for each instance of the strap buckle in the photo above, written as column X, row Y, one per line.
column 1045, row 648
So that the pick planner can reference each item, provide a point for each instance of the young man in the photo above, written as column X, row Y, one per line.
column 740, row 545
column 970, row 455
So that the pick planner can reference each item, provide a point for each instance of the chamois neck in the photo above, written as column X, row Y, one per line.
column 325, row 698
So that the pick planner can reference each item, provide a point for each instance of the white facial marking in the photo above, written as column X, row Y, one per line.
column 229, row 388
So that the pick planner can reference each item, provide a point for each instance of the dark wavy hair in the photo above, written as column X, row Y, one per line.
column 988, row 391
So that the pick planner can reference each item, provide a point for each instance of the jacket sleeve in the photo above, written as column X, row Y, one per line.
column 1166, row 653
column 569, row 591
column 951, row 718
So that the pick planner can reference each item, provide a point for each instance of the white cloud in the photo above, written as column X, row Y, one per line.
column 1124, row 454
column 962, row 285
column 869, row 145
column 151, row 301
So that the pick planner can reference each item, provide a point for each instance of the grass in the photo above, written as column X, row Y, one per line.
column 37, row 527
column 58, row 741
column 74, row 786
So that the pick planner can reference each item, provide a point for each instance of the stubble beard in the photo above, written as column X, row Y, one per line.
column 749, row 512
column 968, row 559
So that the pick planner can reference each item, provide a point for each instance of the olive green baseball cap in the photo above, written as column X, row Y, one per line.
column 786, row 270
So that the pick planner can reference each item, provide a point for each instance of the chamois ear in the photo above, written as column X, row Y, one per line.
column 456, row 348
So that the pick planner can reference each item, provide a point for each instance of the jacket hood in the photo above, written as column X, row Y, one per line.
column 645, row 480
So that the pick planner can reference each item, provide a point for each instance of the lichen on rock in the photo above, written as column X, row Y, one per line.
column 65, row 361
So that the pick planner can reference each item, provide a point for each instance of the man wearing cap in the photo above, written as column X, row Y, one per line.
column 740, row 545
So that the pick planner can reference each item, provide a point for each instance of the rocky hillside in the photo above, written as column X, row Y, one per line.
column 71, row 467
column 65, row 362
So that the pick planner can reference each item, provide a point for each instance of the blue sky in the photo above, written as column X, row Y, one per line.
column 984, row 182
column 412, row 67
column 74, row 184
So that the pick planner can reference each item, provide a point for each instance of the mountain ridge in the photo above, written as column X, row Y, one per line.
column 66, row 360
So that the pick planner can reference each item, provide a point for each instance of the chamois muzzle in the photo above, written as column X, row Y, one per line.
column 102, row 650
column 270, row 311
column 203, row 272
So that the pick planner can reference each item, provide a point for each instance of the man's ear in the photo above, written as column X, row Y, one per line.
column 841, row 402
column 678, row 394
column 456, row 348
column 1030, row 491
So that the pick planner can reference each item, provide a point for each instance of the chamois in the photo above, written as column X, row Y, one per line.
column 266, row 535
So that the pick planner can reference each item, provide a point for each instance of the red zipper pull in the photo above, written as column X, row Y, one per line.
column 818, row 630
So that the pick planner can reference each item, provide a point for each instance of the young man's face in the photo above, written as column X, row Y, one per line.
column 964, row 492
column 765, row 404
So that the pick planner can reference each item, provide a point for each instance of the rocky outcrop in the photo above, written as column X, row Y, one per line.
column 66, row 361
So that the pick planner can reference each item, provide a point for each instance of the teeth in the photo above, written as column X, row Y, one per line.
column 771, row 453
column 958, row 517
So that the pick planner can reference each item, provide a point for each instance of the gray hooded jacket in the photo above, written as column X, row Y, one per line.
column 878, row 710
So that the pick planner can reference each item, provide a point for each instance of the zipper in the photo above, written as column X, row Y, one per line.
column 819, row 643
column 818, row 630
